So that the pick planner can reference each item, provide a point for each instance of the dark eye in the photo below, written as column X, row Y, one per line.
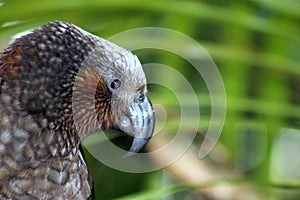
column 115, row 84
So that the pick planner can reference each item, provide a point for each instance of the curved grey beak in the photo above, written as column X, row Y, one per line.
column 140, row 123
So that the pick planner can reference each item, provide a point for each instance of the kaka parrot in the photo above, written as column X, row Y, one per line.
column 58, row 85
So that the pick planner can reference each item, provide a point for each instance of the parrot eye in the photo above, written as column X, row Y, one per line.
column 115, row 84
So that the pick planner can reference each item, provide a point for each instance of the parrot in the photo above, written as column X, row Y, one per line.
column 58, row 85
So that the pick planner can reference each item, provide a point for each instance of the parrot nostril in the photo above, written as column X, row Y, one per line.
column 141, row 97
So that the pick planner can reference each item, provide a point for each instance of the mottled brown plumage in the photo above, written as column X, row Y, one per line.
column 60, row 84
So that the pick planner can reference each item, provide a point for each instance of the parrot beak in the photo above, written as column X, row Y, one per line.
column 139, row 122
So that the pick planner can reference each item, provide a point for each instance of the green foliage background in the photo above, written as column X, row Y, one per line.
column 255, row 45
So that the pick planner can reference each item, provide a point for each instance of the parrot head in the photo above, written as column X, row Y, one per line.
column 113, row 79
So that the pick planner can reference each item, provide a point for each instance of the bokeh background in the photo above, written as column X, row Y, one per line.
column 255, row 45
